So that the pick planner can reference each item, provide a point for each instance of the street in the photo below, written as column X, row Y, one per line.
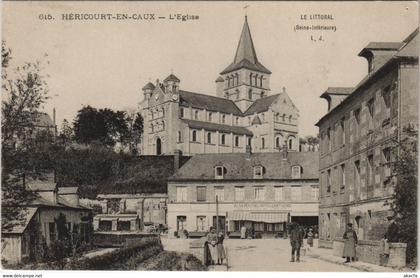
column 261, row 255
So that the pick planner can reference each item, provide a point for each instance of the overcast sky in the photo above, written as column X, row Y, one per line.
column 106, row 63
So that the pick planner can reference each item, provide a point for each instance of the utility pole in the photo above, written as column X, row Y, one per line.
column 217, row 215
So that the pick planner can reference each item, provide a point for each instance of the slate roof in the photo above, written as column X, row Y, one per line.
column 261, row 105
column 210, row 103
column 146, row 174
column 171, row 77
column 217, row 127
column 409, row 49
column 381, row 46
column 238, row 167
column 246, row 56
column 342, row 91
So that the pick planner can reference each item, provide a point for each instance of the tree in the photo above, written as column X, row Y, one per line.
column 25, row 91
column 404, row 200
column 66, row 132
column 135, row 127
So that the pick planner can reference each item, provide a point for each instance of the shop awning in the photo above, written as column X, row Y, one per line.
column 266, row 217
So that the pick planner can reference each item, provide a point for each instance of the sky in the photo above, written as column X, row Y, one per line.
column 106, row 63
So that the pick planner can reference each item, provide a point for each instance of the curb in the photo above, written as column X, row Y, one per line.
column 356, row 265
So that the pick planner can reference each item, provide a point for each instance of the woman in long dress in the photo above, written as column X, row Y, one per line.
column 220, row 248
column 212, row 244
column 310, row 240
column 350, row 241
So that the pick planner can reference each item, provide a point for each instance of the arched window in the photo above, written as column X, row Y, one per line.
column 236, row 141
column 195, row 115
column 181, row 112
column 278, row 142
column 209, row 138
column 158, row 146
column 237, row 94
column 179, row 136
column 223, row 139
column 296, row 172
column 210, row 116
column 290, row 143
column 261, row 79
column 194, row 136
column 263, row 143
column 250, row 94
column 237, row 79
column 255, row 80
column 249, row 141
column 283, row 118
column 250, row 79
column 290, row 118
column 223, row 119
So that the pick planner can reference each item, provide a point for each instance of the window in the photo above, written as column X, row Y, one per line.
column 223, row 139
column 210, row 117
column 314, row 193
column 249, row 141
column 343, row 133
column 259, row 194
column 296, row 193
column 278, row 193
column 53, row 232
column 329, row 181
column 237, row 121
column 277, row 142
column 258, row 171
column 236, row 141
column 179, row 136
column 223, row 119
column 239, row 193
column 290, row 118
column 250, row 94
column 290, row 141
column 329, row 139
column 283, row 117
column 196, row 115
column 201, row 193
column 343, row 176
column 194, row 135
column 357, row 175
column 209, row 138
column 263, row 143
column 369, row 172
column 201, row 224
column 386, row 94
column 219, row 191
column 219, row 172
column 371, row 106
column 296, row 172
column 181, row 112
column 356, row 114
column 181, row 193
column 261, row 79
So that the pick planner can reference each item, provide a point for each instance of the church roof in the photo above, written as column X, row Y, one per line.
column 256, row 120
column 245, row 56
column 261, row 105
column 207, row 102
column 240, row 167
column 149, row 86
column 220, row 79
column 218, row 127
column 172, row 77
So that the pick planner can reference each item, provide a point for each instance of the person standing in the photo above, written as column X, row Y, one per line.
column 350, row 241
column 384, row 255
column 243, row 232
column 220, row 248
column 212, row 244
column 296, row 241
column 310, row 239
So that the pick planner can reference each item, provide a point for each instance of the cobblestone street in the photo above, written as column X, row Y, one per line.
column 262, row 255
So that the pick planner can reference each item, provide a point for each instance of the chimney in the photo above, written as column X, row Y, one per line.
column 177, row 159
column 248, row 152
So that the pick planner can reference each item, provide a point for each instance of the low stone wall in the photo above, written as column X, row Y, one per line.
column 369, row 251
column 121, row 239
column 323, row 243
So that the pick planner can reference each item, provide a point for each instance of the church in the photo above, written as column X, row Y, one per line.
column 244, row 111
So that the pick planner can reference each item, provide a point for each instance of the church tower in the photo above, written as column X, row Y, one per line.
column 246, row 79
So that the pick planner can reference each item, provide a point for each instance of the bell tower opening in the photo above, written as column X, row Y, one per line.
column 158, row 146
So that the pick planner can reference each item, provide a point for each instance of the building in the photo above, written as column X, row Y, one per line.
column 40, row 221
column 243, row 112
column 138, row 196
column 356, row 139
column 263, row 191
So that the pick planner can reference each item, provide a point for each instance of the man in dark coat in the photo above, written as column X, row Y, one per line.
column 296, row 240
column 350, row 241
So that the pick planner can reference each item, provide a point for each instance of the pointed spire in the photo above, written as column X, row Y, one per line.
column 246, row 48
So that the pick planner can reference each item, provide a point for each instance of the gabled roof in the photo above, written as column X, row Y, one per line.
column 171, row 77
column 238, row 167
column 145, row 174
column 261, row 105
column 67, row 190
column 207, row 102
column 246, row 56
column 40, row 185
column 342, row 91
column 18, row 227
column 256, row 120
column 217, row 127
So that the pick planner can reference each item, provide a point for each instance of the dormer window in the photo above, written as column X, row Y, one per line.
column 258, row 171
column 297, row 171
column 219, row 172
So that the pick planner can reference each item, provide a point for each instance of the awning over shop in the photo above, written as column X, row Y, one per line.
column 266, row 217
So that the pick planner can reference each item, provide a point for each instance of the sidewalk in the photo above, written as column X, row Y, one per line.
column 325, row 254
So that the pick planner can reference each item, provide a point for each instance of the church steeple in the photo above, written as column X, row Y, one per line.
column 246, row 79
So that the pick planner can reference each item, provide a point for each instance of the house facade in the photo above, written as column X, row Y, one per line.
column 357, row 136
column 262, row 191
column 243, row 112
column 40, row 221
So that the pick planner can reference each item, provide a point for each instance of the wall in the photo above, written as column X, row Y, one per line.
column 11, row 248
